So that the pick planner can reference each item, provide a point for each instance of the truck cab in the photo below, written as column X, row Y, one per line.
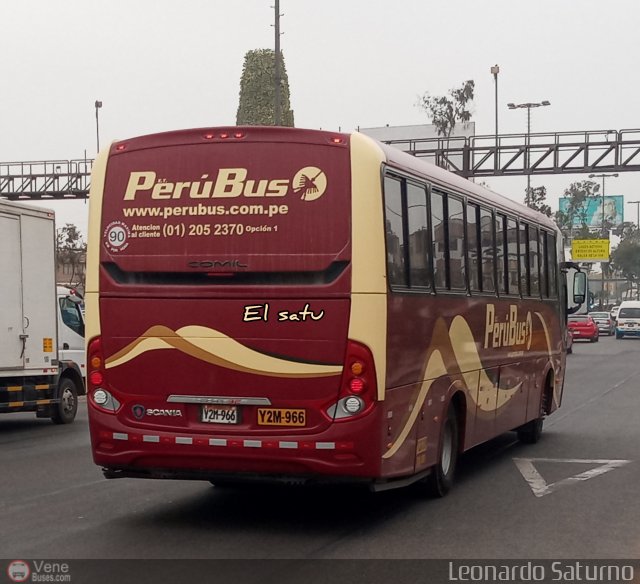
column 71, row 327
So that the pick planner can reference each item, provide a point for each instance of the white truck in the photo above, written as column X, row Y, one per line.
column 41, row 326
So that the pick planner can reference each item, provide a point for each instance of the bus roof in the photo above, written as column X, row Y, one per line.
column 418, row 166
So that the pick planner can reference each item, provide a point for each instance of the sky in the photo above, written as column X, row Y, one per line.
column 160, row 65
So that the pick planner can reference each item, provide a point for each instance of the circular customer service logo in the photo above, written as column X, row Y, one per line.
column 116, row 236
column 310, row 182
column 18, row 571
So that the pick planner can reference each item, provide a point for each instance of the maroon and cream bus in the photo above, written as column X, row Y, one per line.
column 286, row 304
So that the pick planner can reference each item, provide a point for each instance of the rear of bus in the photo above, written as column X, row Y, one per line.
column 225, row 336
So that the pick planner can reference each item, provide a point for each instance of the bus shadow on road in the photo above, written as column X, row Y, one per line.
column 284, row 508
column 321, row 508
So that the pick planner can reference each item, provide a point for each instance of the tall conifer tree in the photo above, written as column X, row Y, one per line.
column 257, row 90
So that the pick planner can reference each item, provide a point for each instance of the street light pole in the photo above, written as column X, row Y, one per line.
column 603, row 177
column 98, row 106
column 528, row 107
column 278, row 99
column 494, row 71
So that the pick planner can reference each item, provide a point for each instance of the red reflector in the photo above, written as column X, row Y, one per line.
column 209, row 136
column 345, row 445
column 356, row 385
column 120, row 147
column 96, row 378
column 337, row 140
column 224, row 135
column 238, row 135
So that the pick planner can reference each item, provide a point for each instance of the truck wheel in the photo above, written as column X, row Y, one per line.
column 440, row 481
column 65, row 410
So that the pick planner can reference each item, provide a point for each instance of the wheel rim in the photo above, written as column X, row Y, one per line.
column 447, row 448
column 68, row 401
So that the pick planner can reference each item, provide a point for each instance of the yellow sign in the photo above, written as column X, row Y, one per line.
column 590, row 250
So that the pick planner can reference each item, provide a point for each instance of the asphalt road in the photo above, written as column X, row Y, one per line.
column 572, row 495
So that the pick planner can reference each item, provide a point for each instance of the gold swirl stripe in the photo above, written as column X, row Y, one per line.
column 214, row 347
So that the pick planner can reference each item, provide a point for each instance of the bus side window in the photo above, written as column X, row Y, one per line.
column 534, row 266
column 553, row 265
column 523, row 236
column 394, row 228
column 457, row 268
column 544, row 266
column 502, row 256
column 439, row 245
column 512, row 257
column 473, row 247
column 488, row 251
column 418, row 236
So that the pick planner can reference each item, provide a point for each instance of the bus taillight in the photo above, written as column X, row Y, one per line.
column 100, row 396
column 358, row 384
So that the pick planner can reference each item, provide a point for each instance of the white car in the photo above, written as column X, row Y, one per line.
column 628, row 321
column 614, row 312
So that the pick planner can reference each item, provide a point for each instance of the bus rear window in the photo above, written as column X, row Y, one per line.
column 251, row 206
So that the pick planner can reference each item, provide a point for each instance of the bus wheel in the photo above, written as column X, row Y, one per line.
column 531, row 432
column 440, row 481
column 65, row 410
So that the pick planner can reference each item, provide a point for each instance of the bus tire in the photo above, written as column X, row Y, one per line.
column 531, row 432
column 65, row 410
column 440, row 481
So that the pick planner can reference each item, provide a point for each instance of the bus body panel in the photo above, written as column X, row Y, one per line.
column 206, row 290
column 502, row 375
column 158, row 348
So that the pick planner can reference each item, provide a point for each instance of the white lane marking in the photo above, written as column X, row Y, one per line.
column 540, row 487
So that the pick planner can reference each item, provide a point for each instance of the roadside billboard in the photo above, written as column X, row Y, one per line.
column 591, row 213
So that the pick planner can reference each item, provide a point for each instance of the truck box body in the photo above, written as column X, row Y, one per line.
column 28, row 291
column 33, row 377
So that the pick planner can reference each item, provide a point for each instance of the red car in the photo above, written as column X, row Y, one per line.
column 583, row 327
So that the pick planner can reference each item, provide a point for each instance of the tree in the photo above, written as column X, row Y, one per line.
column 71, row 253
column 626, row 256
column 573, row 221
column 535, row 199
column 257, row 91
column 446, row 110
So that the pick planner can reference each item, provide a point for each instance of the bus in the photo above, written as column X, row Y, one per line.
column 290, row 305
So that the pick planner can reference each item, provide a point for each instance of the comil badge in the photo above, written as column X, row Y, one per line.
column 310, row 182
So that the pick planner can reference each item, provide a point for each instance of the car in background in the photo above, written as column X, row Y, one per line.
column 628, row 322
column 606, row 324
column 583, row 327
column 569, row 341
column 614, row 312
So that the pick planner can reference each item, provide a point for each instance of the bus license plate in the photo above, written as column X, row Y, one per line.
column 220, row 414
column 281, row 417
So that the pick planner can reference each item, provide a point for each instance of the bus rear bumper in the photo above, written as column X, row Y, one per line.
column 338, row 453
